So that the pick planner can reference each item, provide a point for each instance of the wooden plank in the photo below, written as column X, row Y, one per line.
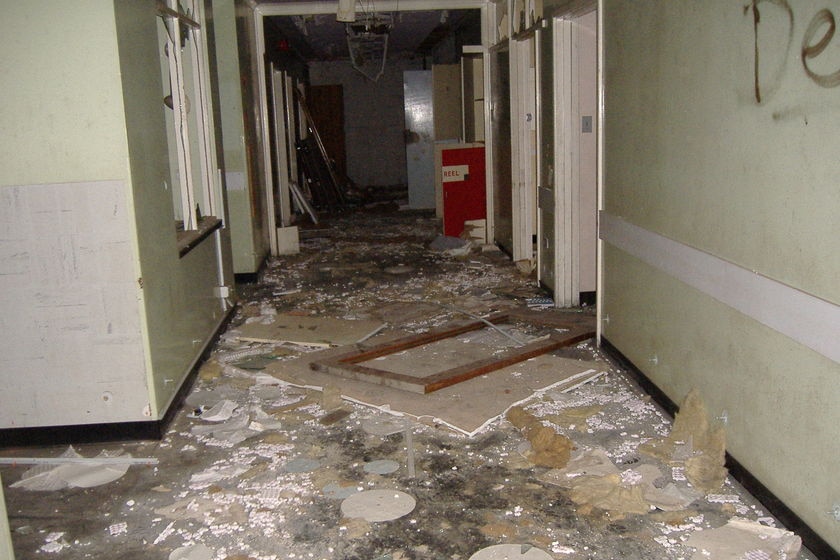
column 347, row 365
column 371, row 375
column 510, row 357
column 413, row 341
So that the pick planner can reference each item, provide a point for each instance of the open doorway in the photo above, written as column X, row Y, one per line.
column 568, row 101
column 373, row 166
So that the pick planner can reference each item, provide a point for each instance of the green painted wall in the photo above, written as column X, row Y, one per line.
column 181, row 311
column 234, row 53
column 104, row 319
column 702, row 147
column 62, row 115
column 243, row 241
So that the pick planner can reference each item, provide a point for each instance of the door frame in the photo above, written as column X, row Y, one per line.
column 303, row 8
column 524, row 144
column 566, row 174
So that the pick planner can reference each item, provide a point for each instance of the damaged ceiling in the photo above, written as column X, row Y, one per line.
column 320, row 37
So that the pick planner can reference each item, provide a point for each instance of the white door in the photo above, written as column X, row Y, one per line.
column 568, row 100
column 419, row 141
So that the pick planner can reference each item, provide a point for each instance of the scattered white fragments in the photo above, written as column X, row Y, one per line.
column 220, row 412
column 54, row 543
column 378, row 505
column 118, row 529
column 741, row 538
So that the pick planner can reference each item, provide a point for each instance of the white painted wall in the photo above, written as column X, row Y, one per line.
column 694, row 155
column 68, row 277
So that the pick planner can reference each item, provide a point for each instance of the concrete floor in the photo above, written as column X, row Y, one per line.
column 278, row 493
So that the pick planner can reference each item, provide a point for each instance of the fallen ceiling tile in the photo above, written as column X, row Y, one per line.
column 468, row 407
column 308, row 331
column 741, row 538
column 378, row 505
column 362, row 364
column 511, row 552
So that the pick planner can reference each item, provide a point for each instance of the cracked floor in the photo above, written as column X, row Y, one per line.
column 272, row 486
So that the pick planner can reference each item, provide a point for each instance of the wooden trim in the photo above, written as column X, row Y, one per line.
column 808, row 319
column 189, row 240
column 579, row 327
column 165, row 11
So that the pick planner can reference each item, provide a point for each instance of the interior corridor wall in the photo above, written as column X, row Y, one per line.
column 374, row 119
column 244, row 186
column 720, row 136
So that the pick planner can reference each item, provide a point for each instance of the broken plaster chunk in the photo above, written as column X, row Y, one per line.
column 383, row 426
column 669, row 498
column 592, row 462
column 192, row 552
column 302, row 465
column 608, row 493
column 740, row 537
column 382, row 466
column 548, row 448
column 220, row 412
column 511, row 552
column 54, row 542
column 378, row 505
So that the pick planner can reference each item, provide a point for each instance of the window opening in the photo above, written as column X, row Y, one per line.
column 187, row 113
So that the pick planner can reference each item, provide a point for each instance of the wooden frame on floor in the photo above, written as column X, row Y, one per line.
column 577, row 327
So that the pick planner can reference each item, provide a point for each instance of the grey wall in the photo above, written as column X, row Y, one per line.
column 703, row 148
column 373, row 119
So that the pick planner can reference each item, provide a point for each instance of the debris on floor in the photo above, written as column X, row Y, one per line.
column 694, row 444
column 378, row 505
column 270, row 460
column 72, row 470
column 305, row 330
column 741, row 538
column 548, row 448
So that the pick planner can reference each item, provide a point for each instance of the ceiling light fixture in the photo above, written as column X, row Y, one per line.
column 367, row 41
